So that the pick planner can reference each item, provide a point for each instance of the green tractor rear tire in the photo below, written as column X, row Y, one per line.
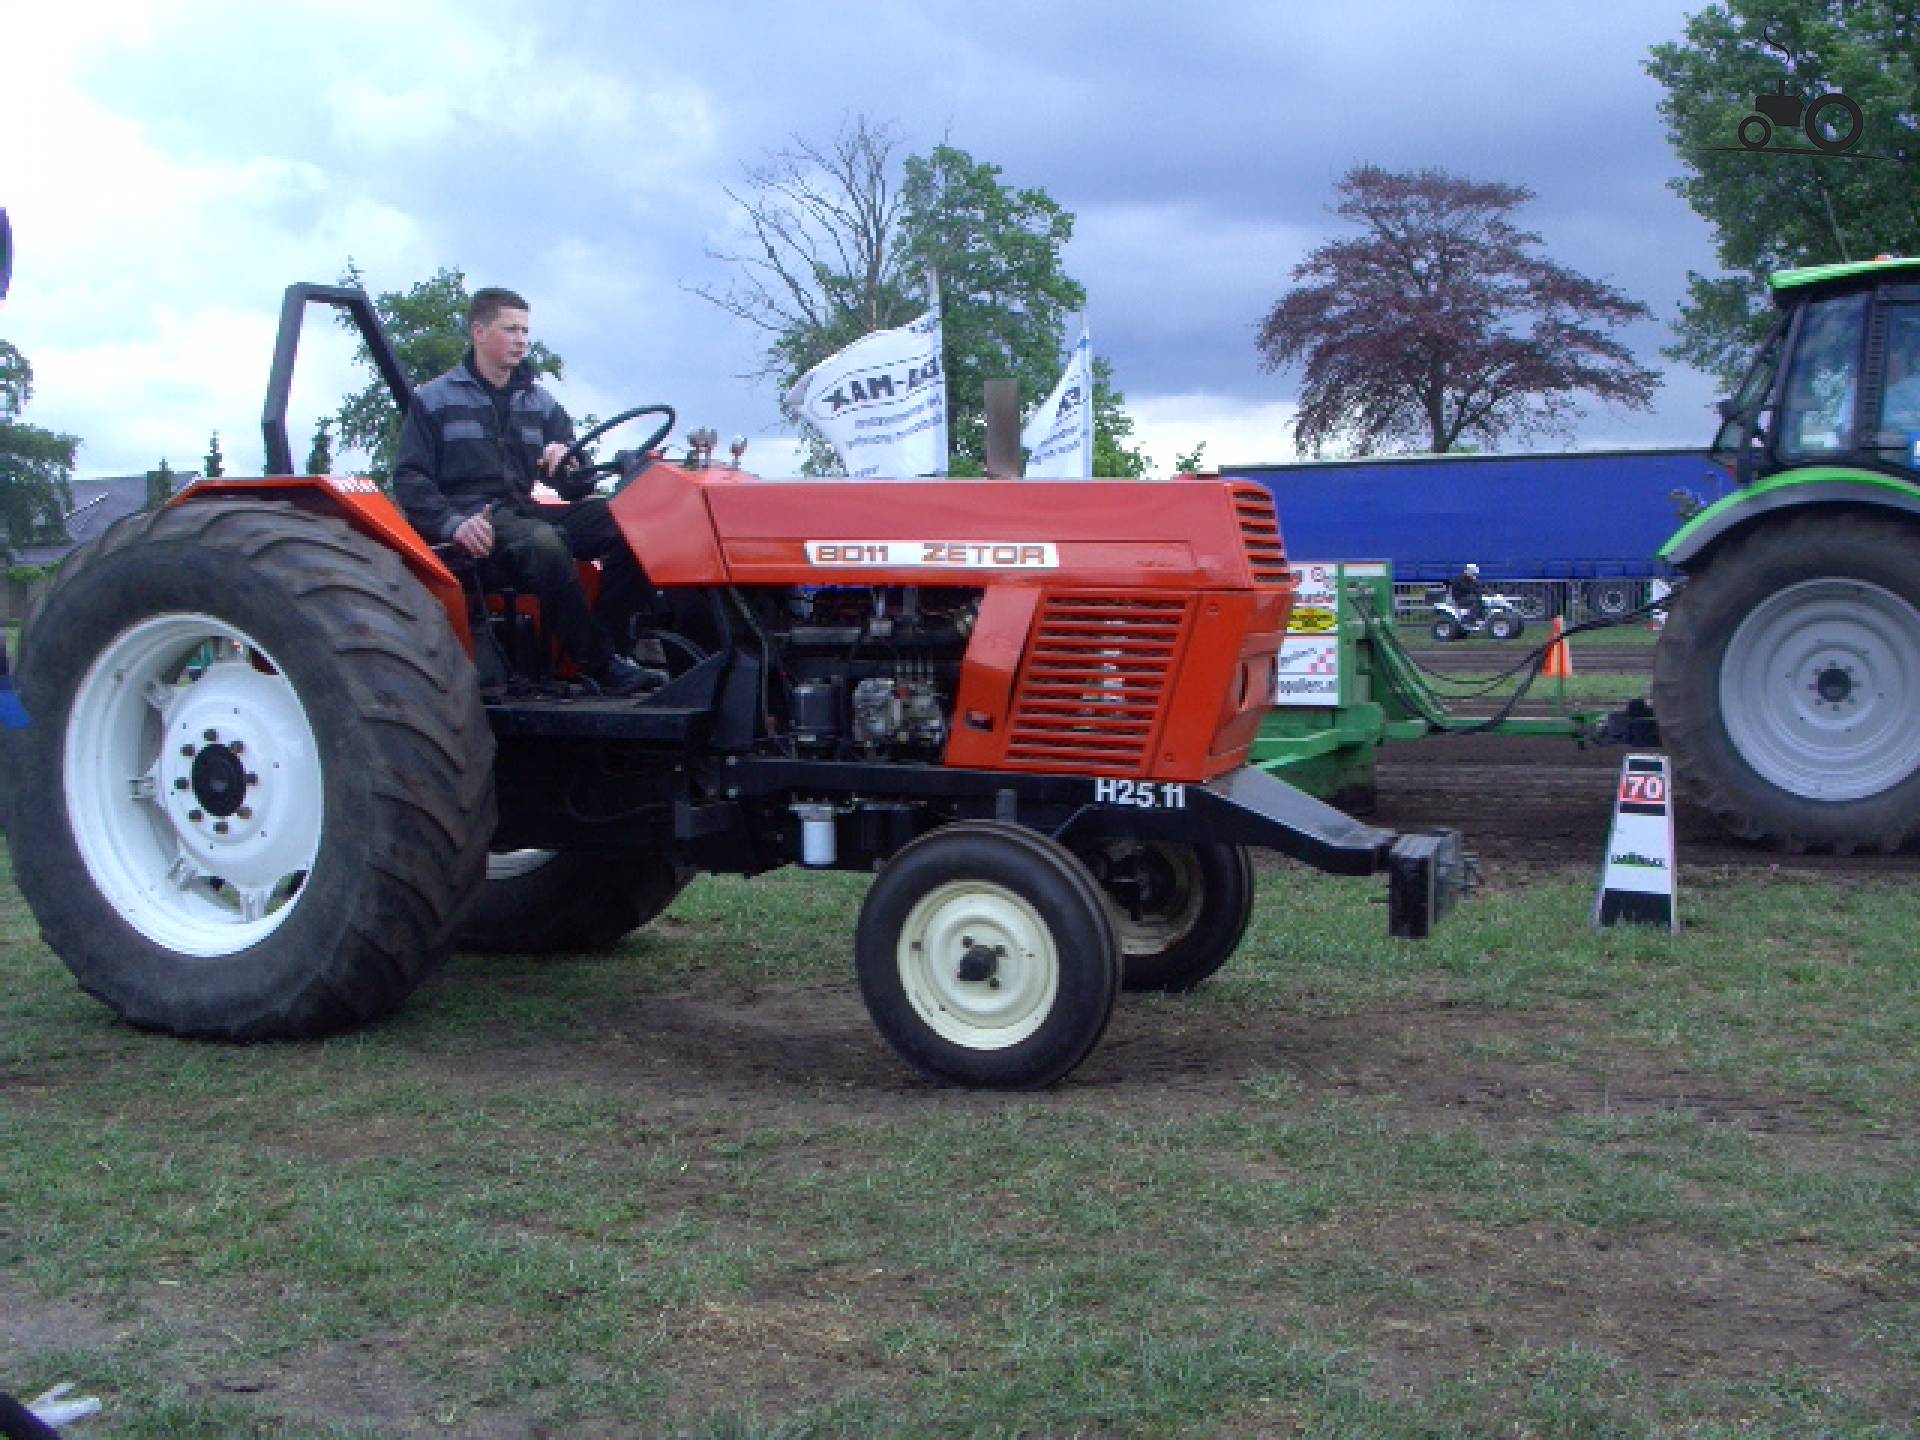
column 1787, row 683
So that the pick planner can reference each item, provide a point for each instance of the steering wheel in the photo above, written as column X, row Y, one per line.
column 576, row 453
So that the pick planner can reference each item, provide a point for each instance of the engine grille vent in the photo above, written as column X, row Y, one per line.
column 1260, row 533
column 1094, row 685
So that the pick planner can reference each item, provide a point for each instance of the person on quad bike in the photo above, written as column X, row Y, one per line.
column 1468, row 598
column 475, row 442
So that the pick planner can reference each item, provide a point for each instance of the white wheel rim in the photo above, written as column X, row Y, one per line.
column 203, row 846
column 1820, row 689
column 513, row 864
column 1157, row 931
column 971, row 915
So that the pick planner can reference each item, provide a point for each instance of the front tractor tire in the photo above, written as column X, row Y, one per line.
column 986, row 956
column 257, row 786
column 561, row 902
column 1787, row 682
column 1179, row 911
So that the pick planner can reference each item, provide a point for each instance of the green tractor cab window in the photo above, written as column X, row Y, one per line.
column 1896, row 435
column 1823, row 380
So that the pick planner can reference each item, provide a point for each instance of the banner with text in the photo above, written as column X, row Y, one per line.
column 881, row 402
column 1059, row 437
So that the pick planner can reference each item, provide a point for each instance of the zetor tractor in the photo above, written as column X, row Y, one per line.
column 1787, row 680
column 265, row 786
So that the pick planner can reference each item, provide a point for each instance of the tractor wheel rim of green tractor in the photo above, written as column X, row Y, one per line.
column 978, row 964
column 194, row 786
column 1819, row 688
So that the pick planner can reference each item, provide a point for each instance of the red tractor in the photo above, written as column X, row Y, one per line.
column 265, row 787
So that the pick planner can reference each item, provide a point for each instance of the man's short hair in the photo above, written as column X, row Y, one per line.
column 486, row 305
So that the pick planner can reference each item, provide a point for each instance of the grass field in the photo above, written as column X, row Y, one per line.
column 1523, row 1180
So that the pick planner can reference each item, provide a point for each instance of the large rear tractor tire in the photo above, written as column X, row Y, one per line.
column 986, row 956
column 1787, row 682
column 557, row 902
column 257, row 787
column 1179, row 911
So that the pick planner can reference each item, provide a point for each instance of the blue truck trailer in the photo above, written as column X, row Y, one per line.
column 1559, row 532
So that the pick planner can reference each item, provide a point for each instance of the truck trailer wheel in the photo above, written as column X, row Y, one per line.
column 1787, row 679
column 1179, row 911
column 257, row 786
column 986, row 956
column 553, row 902
column 1610, row 599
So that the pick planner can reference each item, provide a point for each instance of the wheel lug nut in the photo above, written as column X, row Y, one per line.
column 196, row 816
column 252, row 779
column 219, row 827
column 186, row 750
column 210, row 736
column 181, row 783
column 244, row 812
column 238, row 747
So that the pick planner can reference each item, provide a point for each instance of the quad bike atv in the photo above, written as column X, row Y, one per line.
column 264, row 789
column 1499, row 618
column 1787, row 678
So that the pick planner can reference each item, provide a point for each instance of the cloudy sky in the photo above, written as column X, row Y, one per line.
column 174, row 164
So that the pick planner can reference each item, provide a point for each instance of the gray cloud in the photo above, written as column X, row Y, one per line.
column 579, row 154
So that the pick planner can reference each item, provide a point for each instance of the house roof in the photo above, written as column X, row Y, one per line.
column 97, row 503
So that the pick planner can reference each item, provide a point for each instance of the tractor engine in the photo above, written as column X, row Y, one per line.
column 871, row 671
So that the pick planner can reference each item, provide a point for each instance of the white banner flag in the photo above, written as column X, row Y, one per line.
column 1059, row 437
column 882, row 401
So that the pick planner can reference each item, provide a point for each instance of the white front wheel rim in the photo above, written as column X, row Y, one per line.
column 1004, row 934
column 193, row 785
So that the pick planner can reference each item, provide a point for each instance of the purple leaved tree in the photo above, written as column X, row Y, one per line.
column 1438, row 325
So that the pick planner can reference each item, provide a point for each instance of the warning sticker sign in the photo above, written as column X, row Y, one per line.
column 1309, row 671
column 1316, row 587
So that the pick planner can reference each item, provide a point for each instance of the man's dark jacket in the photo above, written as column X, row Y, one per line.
column 454, row 459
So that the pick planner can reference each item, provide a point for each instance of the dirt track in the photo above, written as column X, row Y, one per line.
column 1541, row 802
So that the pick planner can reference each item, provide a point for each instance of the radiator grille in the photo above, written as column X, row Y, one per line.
column 1260, row 533
column 1094, row 685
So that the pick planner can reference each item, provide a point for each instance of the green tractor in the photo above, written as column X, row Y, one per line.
column 1787, row 680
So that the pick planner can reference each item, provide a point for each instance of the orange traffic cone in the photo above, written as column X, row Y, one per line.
column 1559, row 664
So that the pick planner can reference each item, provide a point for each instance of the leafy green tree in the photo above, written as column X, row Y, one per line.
column 841, row 240
column 427, row 324
column 214, row 465
column 1192, row 462
column 1438, row 324
column 160, row 486
column 1004, row 295
column 1113, row 457
column 36, row 465
column 1773, row 211
column 320, row 457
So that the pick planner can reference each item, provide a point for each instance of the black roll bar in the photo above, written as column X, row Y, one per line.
column 273, row 419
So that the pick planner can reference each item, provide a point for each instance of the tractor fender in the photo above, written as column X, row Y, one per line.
column 1833, row 488
column 362, row 505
